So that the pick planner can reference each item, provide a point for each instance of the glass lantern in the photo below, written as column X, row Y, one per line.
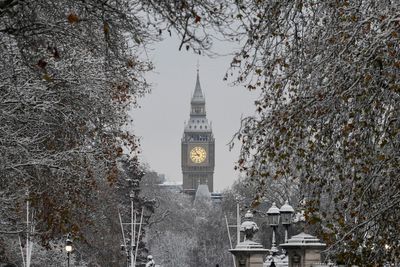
column 286, row 212
column 273, row 215
column 68, row 245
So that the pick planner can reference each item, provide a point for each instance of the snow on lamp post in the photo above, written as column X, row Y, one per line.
column 286, row 212
column 68, row 247
column 249, row 252
column 273, row 220
column 248, row 227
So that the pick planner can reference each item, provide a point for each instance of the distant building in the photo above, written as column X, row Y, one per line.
column 216, row 197
column 171, row 186
column 198, row 146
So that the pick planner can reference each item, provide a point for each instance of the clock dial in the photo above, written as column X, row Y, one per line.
column 198, row 154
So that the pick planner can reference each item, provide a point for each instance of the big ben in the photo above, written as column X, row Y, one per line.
column 198, row 145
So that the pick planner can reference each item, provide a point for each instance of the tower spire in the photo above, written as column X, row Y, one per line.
column 198, row 93
column 198, row 145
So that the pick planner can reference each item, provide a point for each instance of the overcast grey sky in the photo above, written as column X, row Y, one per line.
column 160, row 120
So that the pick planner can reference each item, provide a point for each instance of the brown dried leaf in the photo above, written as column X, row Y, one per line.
column 73, row 18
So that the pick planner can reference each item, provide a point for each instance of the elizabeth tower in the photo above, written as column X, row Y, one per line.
column 198, row 145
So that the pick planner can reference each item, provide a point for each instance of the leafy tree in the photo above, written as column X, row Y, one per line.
column 328, row 116
column 67, row 79
column 129, row 189
column 212, row 242
column 70, row 70
column 195, row 230
column 172, row 224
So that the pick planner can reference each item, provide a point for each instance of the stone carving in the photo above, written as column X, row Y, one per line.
column 248, row 227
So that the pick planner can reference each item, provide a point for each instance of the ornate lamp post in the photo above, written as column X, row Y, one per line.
column 248, row 253
column 286, row 212
column 68, row 247
column 273, row 220
column 248, row 227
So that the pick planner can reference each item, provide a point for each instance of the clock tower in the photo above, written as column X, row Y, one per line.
column 198, row 146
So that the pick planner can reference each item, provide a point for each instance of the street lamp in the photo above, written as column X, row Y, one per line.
column 286, row 212
column 273, row 220
column 68, row 246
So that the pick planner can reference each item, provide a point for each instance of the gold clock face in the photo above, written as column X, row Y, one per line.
column 198, row 154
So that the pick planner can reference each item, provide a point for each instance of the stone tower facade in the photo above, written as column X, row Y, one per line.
column 198, row 146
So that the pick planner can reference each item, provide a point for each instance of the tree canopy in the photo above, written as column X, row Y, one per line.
column 70, row 70
column 328, row 117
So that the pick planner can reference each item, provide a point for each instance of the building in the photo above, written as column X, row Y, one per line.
column 198, row 146
column 216, row 198
column 173, row 187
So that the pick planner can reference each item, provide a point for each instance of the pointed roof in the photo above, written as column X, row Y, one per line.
column 203, row 192
column 198, row 96
column 202, row 195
